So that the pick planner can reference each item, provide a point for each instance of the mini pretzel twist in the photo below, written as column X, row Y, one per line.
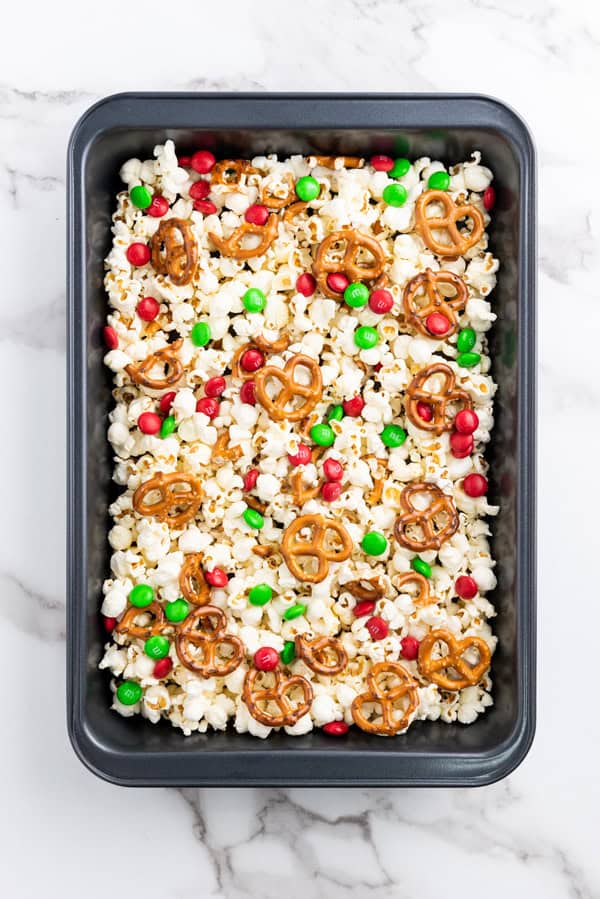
column 437, row 399
column 139, row 372
column 437, row 670
column 335, row 162
column 387, row 699
column 176, row 507
column 232, row 245
column 205, row 628
column 301, row 493
column 222, row 449
column 293, row 546
column 291, row 387
column 354, row 270
column 294, row 210
column 127, row 625
column 277, row 694
column 411, row 517
column 175, row 251
column 318, row 653
column 374, row 495
column 268, row 199
column 429, row 282
column 192, row 583
column 359, row 590
column 423, row 596
column 271, row 346
column 459, row 243
column 230, row 171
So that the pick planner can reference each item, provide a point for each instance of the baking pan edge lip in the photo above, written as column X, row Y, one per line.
column 500, row 762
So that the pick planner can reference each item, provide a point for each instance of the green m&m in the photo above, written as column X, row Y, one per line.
column 260, row 595
column 466, row 340
column 201, row 334
column 254, row 300
column 294, row 611
column 307, row 188
column 253, row 519
column 439, row 181
column 366, row 337
column 177, row 610
column 468, row 360
column 140, row 196
column 356, row 295
column 129, row 692
column 336, row 413
column 400, row 169
column 288, row 653
column 322, row 434
column 141, row 596
column 393, row 436
column 168, row 426
column 395, row 195
column 421, row 567
column 156, row 647
column 374, row 543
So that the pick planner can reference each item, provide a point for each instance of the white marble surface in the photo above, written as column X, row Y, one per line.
column 64, row 833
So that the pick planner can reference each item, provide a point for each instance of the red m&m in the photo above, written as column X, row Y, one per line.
column 306, row 284
column 216, row 578
column 336, row 728
column 138, row 254
column 489, row 198
column 337, row 281
column 266, row 658
column 202, row 162
column 377, row 627
column 466, row 421
column 252, row 360
column 256, row 214
column 302, row 456
column 410, row 648
column 437, row 324
column 166, row 401
column 208, row 406
column 148, row 308
column 333, row 470
column 364, row 608
column 111, row 339
column 461, row 445
column 353, row 407
column 331, row 490
column 158, row 207
column 162, row 668
column 382, row 163
column 466, row 587
column 205, row 207
column 424, row 411
column 381, row 301
column 475, row 485
column 248, row 393
column 215, row 386
column 149, row 423
column 200, row 189
column 250, row 479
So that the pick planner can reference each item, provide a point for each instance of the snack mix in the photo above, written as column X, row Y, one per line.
column 302, row 399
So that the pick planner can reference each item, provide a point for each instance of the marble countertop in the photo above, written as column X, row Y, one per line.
column 62, row 829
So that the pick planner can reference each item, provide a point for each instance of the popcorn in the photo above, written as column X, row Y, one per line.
column 151, row 549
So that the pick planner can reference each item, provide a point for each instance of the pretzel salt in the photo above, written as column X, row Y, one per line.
column 437, row 670
column 230, row 171
column 386, row 699
column 354, row 241
column 324, row 655
column 175, row 251
column 429, row 283
column 167, row 359
column 294, row 546
column 311, row 393
column 277, row 694
column 411, row 518
column 174, row 506
column 437, row 399
column 205, row 629
column 459, row 242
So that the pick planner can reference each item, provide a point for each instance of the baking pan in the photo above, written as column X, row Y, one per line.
column 131, row 751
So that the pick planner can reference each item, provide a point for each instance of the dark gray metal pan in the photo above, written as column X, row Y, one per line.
column 130, row 750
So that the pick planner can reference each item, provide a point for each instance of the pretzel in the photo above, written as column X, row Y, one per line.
column 232, row 246
column 301, row 493
column 199, row 630
column 230, row 171
column 175, row 251
column 370, row 594
column 317, row 654
column 291, row 388
column 329, row 162
column 253, row 502
column 172, row 368
column 127, row 625
column 277, row 693
column 293, row 546
column 423, row 597
column 448, row 306
column 295, row 209
column 192, row 582
column 437, row 399
column 459, row 242
column 410, row 516
column 222, row 450
column 433, row 669
column 354, row 270
column 271, row 201
column 406, row 689
column 271, row 346
column 165, row 508
column 374, row 495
